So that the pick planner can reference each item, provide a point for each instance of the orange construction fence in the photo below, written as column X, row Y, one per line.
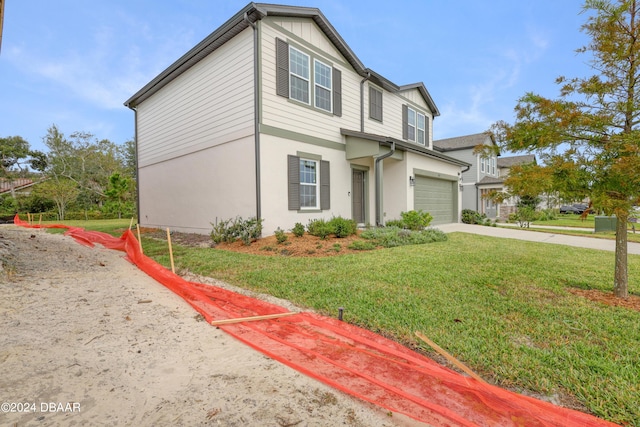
column 349, row 358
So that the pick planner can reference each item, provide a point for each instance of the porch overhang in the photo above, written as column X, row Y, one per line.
column 362, row 144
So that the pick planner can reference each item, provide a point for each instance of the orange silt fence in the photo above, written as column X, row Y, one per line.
column 348, row 358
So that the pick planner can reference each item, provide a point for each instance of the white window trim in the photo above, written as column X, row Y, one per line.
column 413, row 126
column 316, row 185
column 316, row 84
column 482, row 164
column 307, row 79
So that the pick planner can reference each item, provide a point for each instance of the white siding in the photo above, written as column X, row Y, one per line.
column 190, row 192
column 210, row 104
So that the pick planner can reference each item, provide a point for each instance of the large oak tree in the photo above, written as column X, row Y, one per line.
column 592, row 128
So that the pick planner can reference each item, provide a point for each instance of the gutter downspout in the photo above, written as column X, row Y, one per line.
column 135, row 145
column 362, row 101
column 256, row 114
column 378, row 178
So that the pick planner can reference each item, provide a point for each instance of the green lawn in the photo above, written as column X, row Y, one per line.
column 499, row 305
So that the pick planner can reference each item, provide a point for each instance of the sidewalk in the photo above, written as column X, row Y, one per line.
column 537, row 236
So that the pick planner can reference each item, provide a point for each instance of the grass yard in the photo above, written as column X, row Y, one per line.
column 499, row 305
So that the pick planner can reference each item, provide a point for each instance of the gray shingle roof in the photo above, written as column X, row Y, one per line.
column 507, row 162
column 462, row 142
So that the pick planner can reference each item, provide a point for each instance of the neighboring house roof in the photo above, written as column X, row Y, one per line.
column 507, row 162
column 462, row 142
column 490, row 180
column 246, row 17
column 403, row 146
column 16, row 184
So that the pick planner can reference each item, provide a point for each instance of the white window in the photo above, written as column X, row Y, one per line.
column 322, row 85
column 411, row 124
column 493, row 166
column 421, row 130
column 482, row 164
column 299, row 75
column 309, row 184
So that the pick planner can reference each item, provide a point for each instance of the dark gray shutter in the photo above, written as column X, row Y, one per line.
column 337, row 92
column 293, row 174
column 325, row 194
column 405, row 121
column 426, row 131
column 375, row 103
column 282, row 68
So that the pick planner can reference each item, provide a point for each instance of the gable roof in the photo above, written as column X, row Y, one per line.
column 246, row 17
column 462, row 142
column 507, row 162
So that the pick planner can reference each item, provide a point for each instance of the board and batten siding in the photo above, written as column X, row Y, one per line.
column 209, row 104
column 291, row 115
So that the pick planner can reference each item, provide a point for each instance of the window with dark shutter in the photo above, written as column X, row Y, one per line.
column 303, row 189
column 375, row 103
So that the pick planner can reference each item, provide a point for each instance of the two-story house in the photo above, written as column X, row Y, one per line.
column 273, row 115
column 481, row 177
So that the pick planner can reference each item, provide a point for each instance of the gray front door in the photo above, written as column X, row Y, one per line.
column 357, row 196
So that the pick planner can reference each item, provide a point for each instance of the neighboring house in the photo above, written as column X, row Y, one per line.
column 16, row 186
column 481, row 176
column 505, row 164
column 272, row 115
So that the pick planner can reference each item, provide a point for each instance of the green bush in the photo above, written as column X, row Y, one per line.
column 525, row 215
column 398, row 223
column 390, row 237
column 281, row 236
column 237, row 228
column 298, row 230
column 469, row 216
column 342, row 227
column 362, row 245
column 319, row 228
column 416, row 220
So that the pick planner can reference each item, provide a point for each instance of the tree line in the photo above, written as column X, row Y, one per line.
column 79, row 177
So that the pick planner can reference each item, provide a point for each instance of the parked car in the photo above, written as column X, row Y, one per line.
column 567, row 209
column 581, row 207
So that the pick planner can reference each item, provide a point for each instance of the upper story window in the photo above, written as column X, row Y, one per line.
column 375, row 103
column 414, row 125
column 299, row 80
column 297, row 77
column 322, row 85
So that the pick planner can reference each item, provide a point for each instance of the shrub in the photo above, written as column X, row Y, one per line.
column 362, row 245
column 469, row 216
column 342, row 227
column 298, row 230
column 525, row 215
column 389, row 237
column 231, row 230
column 281, row 236
column 397, row 223
column 319, row 228
column 416, row 220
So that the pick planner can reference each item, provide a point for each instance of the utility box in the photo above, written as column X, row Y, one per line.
column 605, row 223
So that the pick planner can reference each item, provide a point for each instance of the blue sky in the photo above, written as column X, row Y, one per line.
column 73, row 63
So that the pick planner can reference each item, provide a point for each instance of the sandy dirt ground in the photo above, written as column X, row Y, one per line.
column 89, row 340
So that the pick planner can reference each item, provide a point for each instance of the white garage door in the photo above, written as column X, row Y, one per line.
column 436, row 196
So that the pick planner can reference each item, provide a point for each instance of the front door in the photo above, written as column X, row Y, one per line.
column 357, row 196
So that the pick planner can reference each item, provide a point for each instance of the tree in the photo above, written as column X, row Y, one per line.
column 591, row 131
column 62, row 192
column 118, row 191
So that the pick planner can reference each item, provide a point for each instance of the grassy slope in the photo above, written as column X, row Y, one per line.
column 499, row 305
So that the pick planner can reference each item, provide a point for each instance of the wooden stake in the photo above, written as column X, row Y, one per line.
column 139, row 239
column 131, row 223
column 449, row 357
column 173, row 267
column 251, row 318
column 40, row 220
column 29, row 218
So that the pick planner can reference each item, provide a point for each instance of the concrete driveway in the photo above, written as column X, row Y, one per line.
column 538, row 236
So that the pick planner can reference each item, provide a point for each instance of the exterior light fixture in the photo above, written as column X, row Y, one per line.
column 412, row 181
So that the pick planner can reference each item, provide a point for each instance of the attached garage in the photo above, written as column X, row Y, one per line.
column 437, row 196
